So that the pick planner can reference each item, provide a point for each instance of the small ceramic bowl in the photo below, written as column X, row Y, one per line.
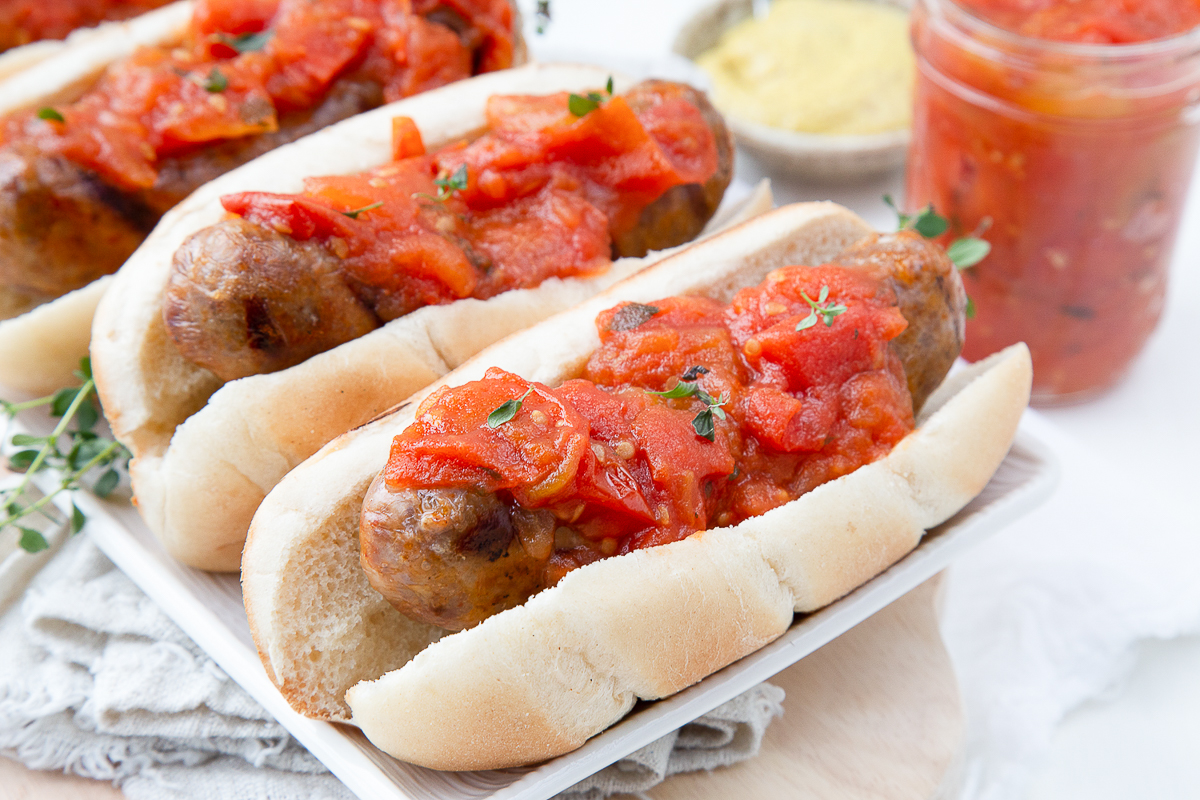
column 822, row 157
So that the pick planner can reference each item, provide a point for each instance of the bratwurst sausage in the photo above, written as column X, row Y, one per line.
column 454, row 556
column 227, row 310
column 931, row 297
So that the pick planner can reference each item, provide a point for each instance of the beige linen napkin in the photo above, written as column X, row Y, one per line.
column 96, row 680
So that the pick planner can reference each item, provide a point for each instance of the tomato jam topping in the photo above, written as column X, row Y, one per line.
column 25, row 21
column 243, row 64
column 691, row 414
column 542, row 194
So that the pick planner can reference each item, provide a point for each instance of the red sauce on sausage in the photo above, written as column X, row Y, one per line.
column 1092, row 21
column 244, row 63
column 626, row 468
column 541, row 194
column 25, row 21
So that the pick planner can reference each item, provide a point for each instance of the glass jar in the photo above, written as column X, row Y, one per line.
column 1080, row 156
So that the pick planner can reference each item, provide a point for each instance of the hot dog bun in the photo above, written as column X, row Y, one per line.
column 41, row 346
column 538, row 680
column 195, row 440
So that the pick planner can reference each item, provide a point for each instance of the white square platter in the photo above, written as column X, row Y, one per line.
column 209, row 609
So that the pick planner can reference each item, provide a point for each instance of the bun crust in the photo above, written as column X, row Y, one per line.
column 538, row 680
column 194, row 439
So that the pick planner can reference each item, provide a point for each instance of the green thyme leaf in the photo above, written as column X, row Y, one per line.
column 820, row 309
column 86, row 417
column 704, row 426
column 21, row 460
column 506, row 410
column 25, row 440
column 447, row 186
column 679, row 390
column 455, row 183
column 216, row 82
column 62, row 401
column 970, row 312
column 608, row 87
column 245, row 42
column 84, row 373
column 77, row 519
column 929, row 223
column 926, row 222
column 582, row 106
column 50, row 115
column 31, row 541
column 693, row 373
column 107, row 483
column 968, row 251
column 354, row 214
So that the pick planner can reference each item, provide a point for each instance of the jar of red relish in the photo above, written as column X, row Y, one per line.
column 1072, row 128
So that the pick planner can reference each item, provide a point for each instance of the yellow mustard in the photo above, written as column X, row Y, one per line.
column 818, row 66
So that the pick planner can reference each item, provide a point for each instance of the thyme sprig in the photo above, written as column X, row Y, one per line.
column 964, row 252
column 687, row 386
column 821, row 309
column 72, row 452
column 244, row 42
column 447, row 185
column 506, row 410
column 353, row 214
column 582, row 105
column 542, row 16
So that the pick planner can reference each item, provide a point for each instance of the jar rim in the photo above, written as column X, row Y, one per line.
column 1187, row 41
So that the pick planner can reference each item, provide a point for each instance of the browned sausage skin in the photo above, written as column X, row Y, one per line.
column 931, row 297
column 227, row 311
column 454, row 557
column 60, row 226
column 415, row 543
column 681, row 212
column 281, row 302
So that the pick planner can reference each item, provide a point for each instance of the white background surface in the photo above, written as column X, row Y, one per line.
column 1141, row 738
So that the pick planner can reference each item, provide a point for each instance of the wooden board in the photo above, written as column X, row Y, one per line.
column 873, row 714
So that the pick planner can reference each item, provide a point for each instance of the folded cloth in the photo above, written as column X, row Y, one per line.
column 96, row 680
column 1051, row 612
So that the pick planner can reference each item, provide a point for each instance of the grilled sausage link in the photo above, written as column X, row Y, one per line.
column 931, row 297
column 244, row 323
column 60, row 226
column 245, row 300
column 681, row 212
column 411, row 538
column 453, row 557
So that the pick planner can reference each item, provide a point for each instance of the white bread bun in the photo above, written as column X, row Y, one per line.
column 538, row 680
column 194, row 439
column 41, row 346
